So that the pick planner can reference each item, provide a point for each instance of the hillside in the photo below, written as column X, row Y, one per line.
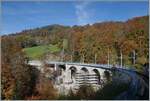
column 92, row 40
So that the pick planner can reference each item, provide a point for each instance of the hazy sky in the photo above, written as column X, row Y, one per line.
column 17, row 16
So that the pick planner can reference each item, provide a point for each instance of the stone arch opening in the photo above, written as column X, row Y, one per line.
column 61, row 69
column 84, row 70
column 97, row 73
column 84, row 75
column 107, row 75
column 73, row 71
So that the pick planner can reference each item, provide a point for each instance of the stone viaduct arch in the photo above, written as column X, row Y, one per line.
column 98, row 76
column 84, row 70
column 92, row 75
column 69, row 72
column 73, row 70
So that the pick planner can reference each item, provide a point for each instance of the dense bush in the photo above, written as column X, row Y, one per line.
column 110, row 91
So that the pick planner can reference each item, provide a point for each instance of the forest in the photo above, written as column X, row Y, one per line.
column 66, row 43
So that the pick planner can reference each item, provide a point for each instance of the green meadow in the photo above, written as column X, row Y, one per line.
column 38, row 51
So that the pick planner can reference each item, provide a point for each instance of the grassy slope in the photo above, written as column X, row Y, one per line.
column 37, row 51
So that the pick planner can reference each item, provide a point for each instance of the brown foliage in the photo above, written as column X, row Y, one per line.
column 44, row 90
column 17, row 77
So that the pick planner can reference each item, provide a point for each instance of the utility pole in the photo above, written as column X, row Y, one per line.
column 134, row 57
column 73, row 47
column 83, row 58
column 95, row 58
column 71, row 58
column 121, row 59
column 62, row 57
column 62, row 53
column 108, row 62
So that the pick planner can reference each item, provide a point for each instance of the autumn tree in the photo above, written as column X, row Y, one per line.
column 17, row 76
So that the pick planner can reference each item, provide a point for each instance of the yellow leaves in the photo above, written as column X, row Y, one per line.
column 8, row 92
column 142, row 60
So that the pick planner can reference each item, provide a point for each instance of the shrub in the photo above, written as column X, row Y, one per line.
column 110, row 91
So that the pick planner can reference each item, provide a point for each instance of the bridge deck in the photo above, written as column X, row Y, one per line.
column 104, row 66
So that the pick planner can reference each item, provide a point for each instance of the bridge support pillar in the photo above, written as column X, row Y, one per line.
column 55, row 66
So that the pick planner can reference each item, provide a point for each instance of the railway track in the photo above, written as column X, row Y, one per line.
column 138, row 88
